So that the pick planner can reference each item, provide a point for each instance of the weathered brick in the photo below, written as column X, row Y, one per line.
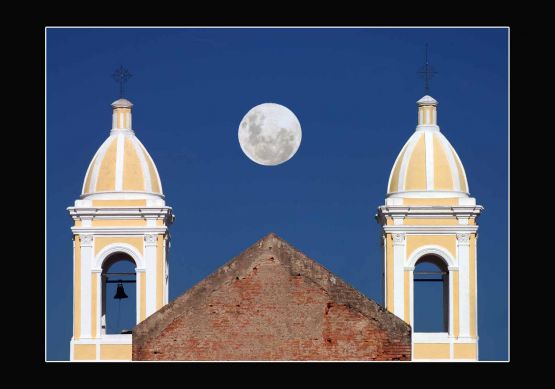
column 272, row 302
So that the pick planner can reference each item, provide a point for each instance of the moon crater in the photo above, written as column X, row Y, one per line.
column 270, row 134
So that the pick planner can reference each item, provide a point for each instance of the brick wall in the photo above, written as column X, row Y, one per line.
column 272, row 303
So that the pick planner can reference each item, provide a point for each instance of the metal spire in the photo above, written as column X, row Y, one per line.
column 121, row 76
column 427, row 72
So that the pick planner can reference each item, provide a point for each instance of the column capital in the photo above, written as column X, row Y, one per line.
column 463, row 239
column 398, row 238
column 150, row 239
column 86, row 240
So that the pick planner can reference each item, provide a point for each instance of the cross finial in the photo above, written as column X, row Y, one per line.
column 427, row 72
column 121, row 75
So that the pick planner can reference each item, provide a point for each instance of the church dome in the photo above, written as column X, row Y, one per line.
column 122, row 164
column 427, row 166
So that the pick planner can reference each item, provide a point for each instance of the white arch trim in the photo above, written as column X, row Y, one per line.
column 439, row 251
column 118, row 248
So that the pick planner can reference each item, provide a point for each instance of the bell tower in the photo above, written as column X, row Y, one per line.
column 429, row 225
column 120, row 244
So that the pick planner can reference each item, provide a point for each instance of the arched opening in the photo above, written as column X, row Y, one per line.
column 431, row 295
column 118, row 314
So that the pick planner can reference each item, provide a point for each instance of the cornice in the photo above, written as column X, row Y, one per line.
column 456, row 229
column 119, row 230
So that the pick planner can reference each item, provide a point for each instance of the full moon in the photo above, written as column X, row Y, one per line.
column 270, row 134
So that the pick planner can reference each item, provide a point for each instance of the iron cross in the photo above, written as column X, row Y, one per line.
column 427, row 72
column 121, row 75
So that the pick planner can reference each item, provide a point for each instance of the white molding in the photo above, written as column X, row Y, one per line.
column 443, row 360
column 431, row 230
column 451, row 306
column 427, row 127
column 151, row 273
column 465, row 340
column 131, row 231
column 384, row 280
column 86, row 298
column 399, row 248
column 440, row 251
column 123, row 195
column 431, row 211
column 138, row 271
column 411, row 303
column 431, row 337
column 99, row 291
column 429, row 142
column 120, row 212
column 118, row 248
column 106, row 339
column 166, row 270
column 122, row 131
column 463, row 254
column 476, row 292
column 435, row 194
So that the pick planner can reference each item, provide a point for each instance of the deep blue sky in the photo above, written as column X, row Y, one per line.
column 354, row 92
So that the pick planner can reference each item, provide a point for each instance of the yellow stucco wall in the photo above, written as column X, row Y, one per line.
column 89, row 175
column 443, row 178
column 84, row 352
column 416, row 241
column 106, row 180
column 115, row 352
column 465, row 351
column 119, row 222
column 153, row 174
column 430, row 222
column 458, row 162
column 119, row 203
column 444, row 201
column 394, row 185
column 417, row 166
column 431, row 351
column 132, row 170
column 135, row 241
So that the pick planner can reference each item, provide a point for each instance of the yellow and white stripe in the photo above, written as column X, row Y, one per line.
column 122, row 163
column 427, row 162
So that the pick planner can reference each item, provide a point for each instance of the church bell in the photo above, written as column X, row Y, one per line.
column 120, row 292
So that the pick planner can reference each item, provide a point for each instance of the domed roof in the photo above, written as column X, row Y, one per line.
column 122, row 163
column 428, row 166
